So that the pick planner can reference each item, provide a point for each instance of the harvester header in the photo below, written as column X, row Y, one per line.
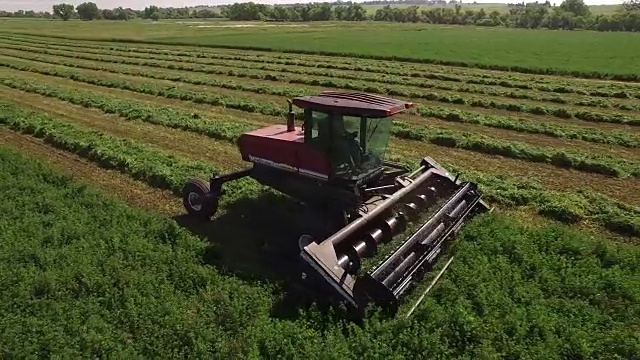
column 359, row 202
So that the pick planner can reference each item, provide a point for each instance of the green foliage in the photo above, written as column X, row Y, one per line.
column 576, row 7
column 565, row 207
column 85, row 276
column 333, row 82
column 563, row 158
column 64, row 11
column 88, row 11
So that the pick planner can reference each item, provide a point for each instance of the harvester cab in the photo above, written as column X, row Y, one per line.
column 364, row 206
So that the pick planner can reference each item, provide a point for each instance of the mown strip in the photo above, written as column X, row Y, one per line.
column 141, row 162
column 558, row 112
column 268, row 65
column 443, row 73
column 562, row 206
column 595, row 163
column 627, row 77
column 452, row 115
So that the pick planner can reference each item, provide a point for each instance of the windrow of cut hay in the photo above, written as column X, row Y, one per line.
column 496, row 99
column 411, row 73
column 243, row 63
column 566, row 207
column 630, row 77
column 563, row 158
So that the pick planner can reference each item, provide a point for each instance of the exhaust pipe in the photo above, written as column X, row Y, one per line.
column 290, row 117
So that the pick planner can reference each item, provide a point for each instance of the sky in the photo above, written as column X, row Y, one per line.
column 45, row 5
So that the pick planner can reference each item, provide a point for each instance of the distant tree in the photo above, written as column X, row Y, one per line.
column 631, row 5
column 577, row 7
column 149, row 11
column 63, row 11
column 88, row 11
column 109, row 14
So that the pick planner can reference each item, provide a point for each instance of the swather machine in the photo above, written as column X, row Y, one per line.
column 334, row 165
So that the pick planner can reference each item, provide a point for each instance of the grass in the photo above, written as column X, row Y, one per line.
column 138, row 287
column 551, row 274
column 541, row 49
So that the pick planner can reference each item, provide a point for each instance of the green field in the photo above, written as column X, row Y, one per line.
column 617, row 52
column 97, row 137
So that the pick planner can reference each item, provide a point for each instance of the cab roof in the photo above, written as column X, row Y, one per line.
column 353, row 104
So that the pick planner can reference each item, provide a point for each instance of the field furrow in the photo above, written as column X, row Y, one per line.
column 562, row 158
column 455, row 115
column 174, row 141
column 550, row 176
column 218, row 126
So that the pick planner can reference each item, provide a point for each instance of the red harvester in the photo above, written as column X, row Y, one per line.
column 334, row 165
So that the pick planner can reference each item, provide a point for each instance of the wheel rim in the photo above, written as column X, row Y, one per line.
column 193, row 196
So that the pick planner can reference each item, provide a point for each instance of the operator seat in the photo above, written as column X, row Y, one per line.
column 346, row 144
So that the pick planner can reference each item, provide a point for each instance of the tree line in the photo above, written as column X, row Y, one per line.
column 569, row 15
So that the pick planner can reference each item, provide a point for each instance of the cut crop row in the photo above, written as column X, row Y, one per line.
column 151, row 166
column 566, row 158
column 222, row 69
column 141, row 162
column 627, row 77
column 333, row 79
column 556, row 84
column 386, row 68
column 522, row 125
column 558, row 112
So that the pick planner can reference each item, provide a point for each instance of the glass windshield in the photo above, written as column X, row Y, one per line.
column 359, row 146
column 377, row 139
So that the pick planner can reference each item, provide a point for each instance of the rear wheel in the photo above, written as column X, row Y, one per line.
column 198, row 199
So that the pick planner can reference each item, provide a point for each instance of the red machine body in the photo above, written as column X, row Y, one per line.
column 354, row 200
column 283, row 146
column 275, row 146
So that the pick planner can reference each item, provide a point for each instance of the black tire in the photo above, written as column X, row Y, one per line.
column 198, row 199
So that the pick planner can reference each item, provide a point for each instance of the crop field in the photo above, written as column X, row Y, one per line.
column 540, row 51
column 101, row 134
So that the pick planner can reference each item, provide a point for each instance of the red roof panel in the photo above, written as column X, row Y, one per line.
column 352, row 103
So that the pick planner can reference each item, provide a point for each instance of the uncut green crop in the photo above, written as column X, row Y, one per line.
column 565, row 207
column 85, row 276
